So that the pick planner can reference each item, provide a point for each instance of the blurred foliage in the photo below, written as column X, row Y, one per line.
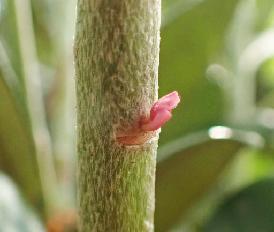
column 14, row 214
column 217, row 54
column 195, row 160
column 9, row 37
column 249, row 210
column 188, row 44
column 16, row 142
column 17, row 148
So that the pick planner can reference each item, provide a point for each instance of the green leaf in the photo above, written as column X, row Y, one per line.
column 249, row 210
column 17, row 151
column 188, row 167
column 188, row 45
column 9, row 37
column 174, row 9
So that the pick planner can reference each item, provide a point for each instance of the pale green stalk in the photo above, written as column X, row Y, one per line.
column 116, row 65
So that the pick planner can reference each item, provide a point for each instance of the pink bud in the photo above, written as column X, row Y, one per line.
column 160, row 112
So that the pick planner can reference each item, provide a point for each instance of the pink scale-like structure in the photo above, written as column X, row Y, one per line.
column 160, row 113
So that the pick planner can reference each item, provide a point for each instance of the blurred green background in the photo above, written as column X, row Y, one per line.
column 215, row 160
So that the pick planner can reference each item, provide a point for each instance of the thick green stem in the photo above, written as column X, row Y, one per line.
column 116, row 64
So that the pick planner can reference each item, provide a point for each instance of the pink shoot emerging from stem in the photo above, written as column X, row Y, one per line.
column 160, row 113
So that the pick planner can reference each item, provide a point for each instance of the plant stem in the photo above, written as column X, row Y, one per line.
column 116, row 65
